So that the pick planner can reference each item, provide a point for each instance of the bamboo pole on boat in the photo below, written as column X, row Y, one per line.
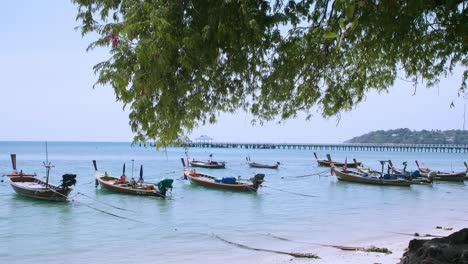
column 47, row 166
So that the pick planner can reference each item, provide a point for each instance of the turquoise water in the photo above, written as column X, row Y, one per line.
column 181, row 230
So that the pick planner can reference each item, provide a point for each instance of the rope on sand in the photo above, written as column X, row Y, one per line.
column 293, row 254
column 416, row 234
column 347, row 248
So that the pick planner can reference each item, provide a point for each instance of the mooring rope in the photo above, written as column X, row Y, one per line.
column 293, row 254
column 105, row 212
column 313, row 174
column 301, row 194
column 99, row 210
column 170, row 172
column 116, row 207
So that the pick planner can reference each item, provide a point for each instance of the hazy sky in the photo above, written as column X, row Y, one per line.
column 46, row 92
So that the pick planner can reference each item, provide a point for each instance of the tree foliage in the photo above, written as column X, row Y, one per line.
column 179, row 64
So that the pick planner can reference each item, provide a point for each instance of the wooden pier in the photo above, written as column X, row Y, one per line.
column 342, row 147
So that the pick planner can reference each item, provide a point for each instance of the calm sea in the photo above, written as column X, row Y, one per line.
column 183, row 229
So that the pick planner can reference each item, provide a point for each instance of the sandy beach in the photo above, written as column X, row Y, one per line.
column 396, row 243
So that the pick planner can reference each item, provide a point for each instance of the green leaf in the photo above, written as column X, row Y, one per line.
column 330, row 35
column 350, row 11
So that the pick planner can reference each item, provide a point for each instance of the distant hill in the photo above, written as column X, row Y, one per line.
column 407, row 136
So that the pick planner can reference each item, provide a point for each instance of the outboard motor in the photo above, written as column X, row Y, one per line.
column 258, row 180
column 432, row 175
column 164, row 185
column 68, row 180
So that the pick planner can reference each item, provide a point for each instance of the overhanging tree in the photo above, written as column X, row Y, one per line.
column 178, row 64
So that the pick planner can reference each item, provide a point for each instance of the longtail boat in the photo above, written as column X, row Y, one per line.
column 208, row 165
column 225, row 183
column 260, row 165
column 353, row 176
column 131, row 187
column 35, row 188
column 440, row 175
column 30, row 186
column 328, row 162
column 393, row 173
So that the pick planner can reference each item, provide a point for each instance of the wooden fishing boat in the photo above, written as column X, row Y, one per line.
column 131, row 187
column 226, row 183
column 211, row 164
column 328, row 162
column 440, row 175
column 30, row 186
column 15, row 172
column 414, row 177
column 263, row 166
column 33, row 187
column 415, row 180
column 352, row 176
column 260, row 165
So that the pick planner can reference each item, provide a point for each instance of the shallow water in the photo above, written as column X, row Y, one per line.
column 181, row 230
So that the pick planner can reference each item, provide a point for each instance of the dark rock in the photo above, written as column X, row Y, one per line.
column 452, row 249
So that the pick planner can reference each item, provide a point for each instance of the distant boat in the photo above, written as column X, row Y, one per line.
column 30, row 186
column 208, row 165
column 225, row 183
column 139, row 188
column 260, row 165
column 440, row 175
column 328, row 162
column 211, row 164
column 352, row 176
